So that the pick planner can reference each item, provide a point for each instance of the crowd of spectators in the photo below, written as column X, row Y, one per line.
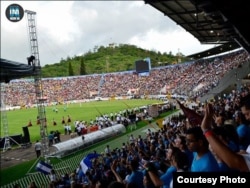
column 192, row 79
column 220, row 143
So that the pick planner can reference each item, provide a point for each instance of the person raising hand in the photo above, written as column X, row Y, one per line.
column 234, row 160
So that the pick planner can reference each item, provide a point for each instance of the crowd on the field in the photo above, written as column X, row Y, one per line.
column 192, row 79
column 127, row 117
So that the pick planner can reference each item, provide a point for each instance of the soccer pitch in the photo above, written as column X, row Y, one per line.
column 16, row 119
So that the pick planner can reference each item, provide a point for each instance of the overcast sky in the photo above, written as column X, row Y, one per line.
column 69, row 28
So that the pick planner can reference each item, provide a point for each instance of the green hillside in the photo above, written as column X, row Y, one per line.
column 113, row 58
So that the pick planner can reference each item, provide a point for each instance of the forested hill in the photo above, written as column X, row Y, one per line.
column 113, row 58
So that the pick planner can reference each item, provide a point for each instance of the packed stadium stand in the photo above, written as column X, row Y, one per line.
column 192, row 79
column 178, row 146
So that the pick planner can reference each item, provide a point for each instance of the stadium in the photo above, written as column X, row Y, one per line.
column 219, row 76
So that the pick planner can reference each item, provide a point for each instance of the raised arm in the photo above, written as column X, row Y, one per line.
column 232, row 159
column 153, row 176
column 117, row 176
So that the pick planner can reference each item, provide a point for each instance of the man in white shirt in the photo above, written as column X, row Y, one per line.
column 38, row 148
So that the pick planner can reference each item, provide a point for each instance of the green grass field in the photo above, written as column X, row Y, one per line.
column 19, row 172
column 84, row 111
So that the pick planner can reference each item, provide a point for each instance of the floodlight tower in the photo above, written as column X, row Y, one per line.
column 38, row 82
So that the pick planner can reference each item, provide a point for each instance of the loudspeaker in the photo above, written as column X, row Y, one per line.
column 14, row 140
column 26, row 137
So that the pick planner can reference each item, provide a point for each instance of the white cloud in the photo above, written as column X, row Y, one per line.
column 68, row 28
column 168, row 41
column 59, row 25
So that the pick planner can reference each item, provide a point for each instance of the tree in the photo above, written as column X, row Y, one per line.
column 82, row 68
column 71, row 73
column 121, row 58
column 68, row 58
column 62, row 60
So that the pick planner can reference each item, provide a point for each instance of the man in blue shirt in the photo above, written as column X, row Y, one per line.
column 204, row 160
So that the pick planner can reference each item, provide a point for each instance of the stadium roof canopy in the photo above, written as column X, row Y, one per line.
column 13, row 70
column 221, row 22
column 215, row 51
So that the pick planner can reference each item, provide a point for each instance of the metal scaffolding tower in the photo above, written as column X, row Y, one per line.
column 4, row 119
column 38, row 82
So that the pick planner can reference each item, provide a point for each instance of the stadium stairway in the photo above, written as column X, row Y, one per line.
column 232, row 78
column 101, row 82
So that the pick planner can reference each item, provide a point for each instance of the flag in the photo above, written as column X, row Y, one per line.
column 194, row 118
column 43, row 167
column 86, row 163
